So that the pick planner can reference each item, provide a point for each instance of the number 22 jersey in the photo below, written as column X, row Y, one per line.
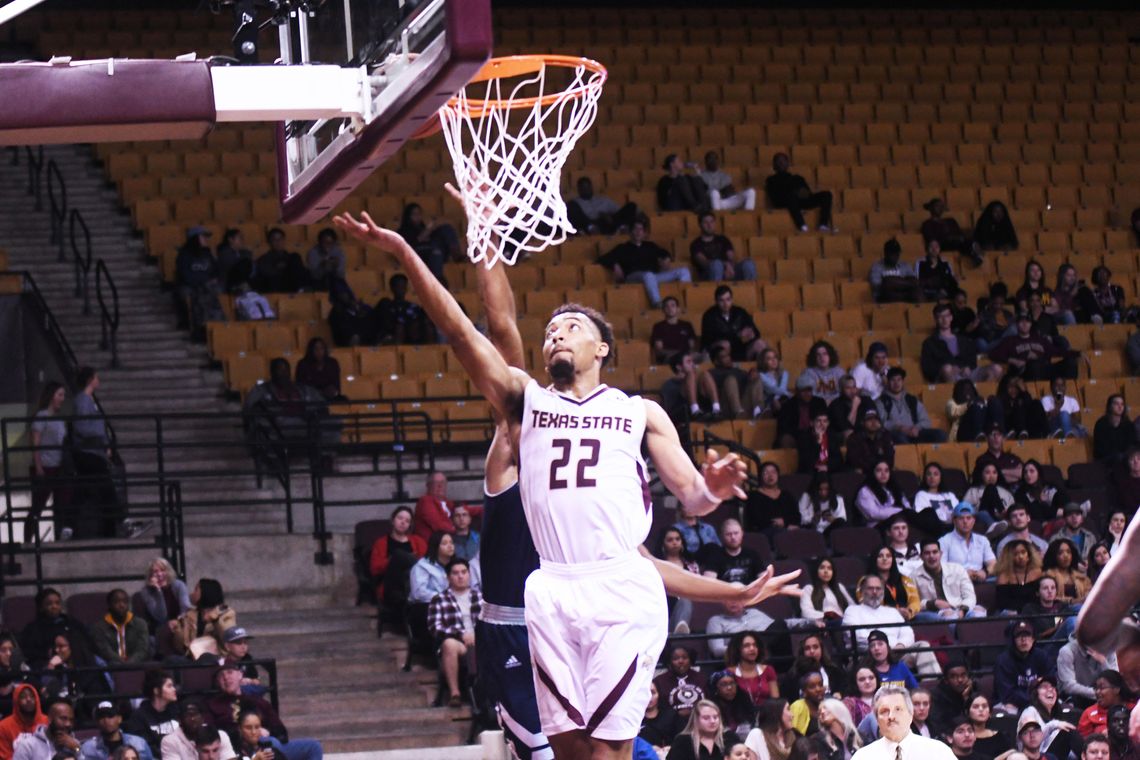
column 583, row 480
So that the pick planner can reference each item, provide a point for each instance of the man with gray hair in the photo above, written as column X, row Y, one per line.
column 894, row 711
column 870, row 614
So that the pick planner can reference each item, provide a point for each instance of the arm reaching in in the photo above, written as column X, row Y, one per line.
column 1104, row 623
column 499, row 383
column 699, row 491
column 700, row 588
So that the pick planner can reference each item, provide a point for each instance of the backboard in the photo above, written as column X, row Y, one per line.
column 415, row 56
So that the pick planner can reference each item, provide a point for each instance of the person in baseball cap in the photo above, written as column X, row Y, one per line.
column 1020, row 665
column 109, row 718
column 235, row 651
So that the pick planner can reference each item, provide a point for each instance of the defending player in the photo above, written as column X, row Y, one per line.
column 508, row 557
column 595, row 609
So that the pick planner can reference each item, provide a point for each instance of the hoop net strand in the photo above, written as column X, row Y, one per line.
column 510, row 173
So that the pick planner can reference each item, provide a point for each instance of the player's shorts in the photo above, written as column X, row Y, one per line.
column 596, row 630
column 507, row 679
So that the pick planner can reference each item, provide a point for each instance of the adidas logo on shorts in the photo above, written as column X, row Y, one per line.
column 512, row 662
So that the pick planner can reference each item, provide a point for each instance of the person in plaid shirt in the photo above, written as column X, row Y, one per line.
column 451, row 619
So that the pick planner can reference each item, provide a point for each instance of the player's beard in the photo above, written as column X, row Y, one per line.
column 561, row 371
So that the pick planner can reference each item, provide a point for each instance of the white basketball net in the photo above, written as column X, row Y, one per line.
column 508, row 161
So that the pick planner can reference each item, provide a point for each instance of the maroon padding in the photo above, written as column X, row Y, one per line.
column 469, row 44
column 140, row 100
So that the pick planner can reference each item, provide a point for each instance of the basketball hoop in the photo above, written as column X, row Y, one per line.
column 508, row 149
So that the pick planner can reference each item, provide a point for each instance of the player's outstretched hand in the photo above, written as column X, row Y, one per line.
column 769, row 584
column 724, row 475
column 368, row 232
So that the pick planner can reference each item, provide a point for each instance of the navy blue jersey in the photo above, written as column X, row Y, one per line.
column 506, row 553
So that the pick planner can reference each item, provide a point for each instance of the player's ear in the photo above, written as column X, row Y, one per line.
column 603, row 350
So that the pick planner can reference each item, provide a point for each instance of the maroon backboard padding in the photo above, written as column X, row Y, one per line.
column 140, row 100
column 469, row 45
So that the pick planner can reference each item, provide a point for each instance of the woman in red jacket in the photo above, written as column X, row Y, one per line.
column 1110, row 690
column 392, row 557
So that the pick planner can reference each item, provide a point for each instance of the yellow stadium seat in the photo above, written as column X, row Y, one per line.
column 1104, row 364
column 809, row 321
column 379, row 361
column 782, row 296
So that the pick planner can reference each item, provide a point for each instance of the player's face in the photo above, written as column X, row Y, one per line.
column 572, row 344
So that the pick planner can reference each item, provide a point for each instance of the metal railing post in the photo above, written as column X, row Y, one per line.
column 108, row 316
column 57, row 199
column 82, row 260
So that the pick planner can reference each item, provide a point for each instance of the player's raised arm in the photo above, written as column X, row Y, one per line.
column 700, row 491
column 701, row 588
column 1104, row 623
column 501, row 385
column 502, row 314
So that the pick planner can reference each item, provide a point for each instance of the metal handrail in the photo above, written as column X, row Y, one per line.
column 108, row 317
column 57, row 198
column 35, row 172
column 82, row 258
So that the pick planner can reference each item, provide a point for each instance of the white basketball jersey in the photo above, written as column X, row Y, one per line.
column 584, row 483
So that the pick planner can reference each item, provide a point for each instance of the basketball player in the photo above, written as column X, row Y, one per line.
column 595, row 610
column 508, row 557
column 1104, row 622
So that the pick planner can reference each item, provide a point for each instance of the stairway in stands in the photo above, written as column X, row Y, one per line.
column 161, row 370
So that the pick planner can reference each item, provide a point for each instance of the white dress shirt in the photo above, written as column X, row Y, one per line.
column 914, row 747
column 861, row 614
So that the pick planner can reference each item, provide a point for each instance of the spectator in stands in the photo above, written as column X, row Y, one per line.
column 230, row 703
column 179, row 743
column 731, row 325
column 95, row 501
column 235, row 261
column 838, row 737
column 906, row 553
column 1044, row 324
column 821, row 508
column 681, row 685
column 871, row 373
column 49, row 739
column 201, row 627
column 157, row 714
column 660, row 724
column 885, row 664
column 351, row 321
column 865, row 682
column 279, row 270
column 935, row 276
column 1096, row 747
column 1043, row 500
column 1009, row 465
column 1065, row 295
column 326, row 260
column 1113, row 434
column 320, row 371
column 1014, row 410
column 435, row 242
column 677, row 191
column 1118, row 518
column 798, row 412
column 735, row 619
column 723, row 195
column 451, row 619
column 251, row 738
column 994, row 230
column 120, row 637
column 731, row 384
column 892, row 279
column 251, row 306
column 672, row 549
column 731, row 561
column 967, row 413
column 110, row 737
column 735, row 706
column 871, row 611
column 72, row 673
column 47, row 439
column 1119, row 718
column 904, row 415
column 433, row 509
column 1030, row 356
column 37, row 639
column 944, row 588
column 773, row 380
column 641, row 261
column 824, row 370
column 1062, row 564
column 714, row 257
column 697, row 534
column 965, row 319
column 770, row 508
column 950, row 695
column 964, row 547
column 429, row 575
column 745, row 658
column 1103, row 303
column 1046, row 604
column 293, row 413
column 846, row 412
column 25, row 718
column 1098, row 560
column 164, row 596
column 1078, row 667
column 12, row 671
column 1074, row 530
column 805, row 710
column 870, row 444
column 990, row 743
column 592, row 214
column 948, row 356
column 819, row 449
column 791, row 191
column 197, row 281
column 466, row 539
column 824, row 599
column 812, row 655
column 1110, row 690
column 899, row 590
column 990, row 500
column 672, row 335
column 392, row 558
column 399, row 320
column 679, row 394
column 994, row 319
column 1018, row 568
column 235, row 649
column 1062, row 410
column 1033, row 284
column 933, row 495
column 703, row 736
column 1031, row 738
column 1020, row 665
column 947, row 232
